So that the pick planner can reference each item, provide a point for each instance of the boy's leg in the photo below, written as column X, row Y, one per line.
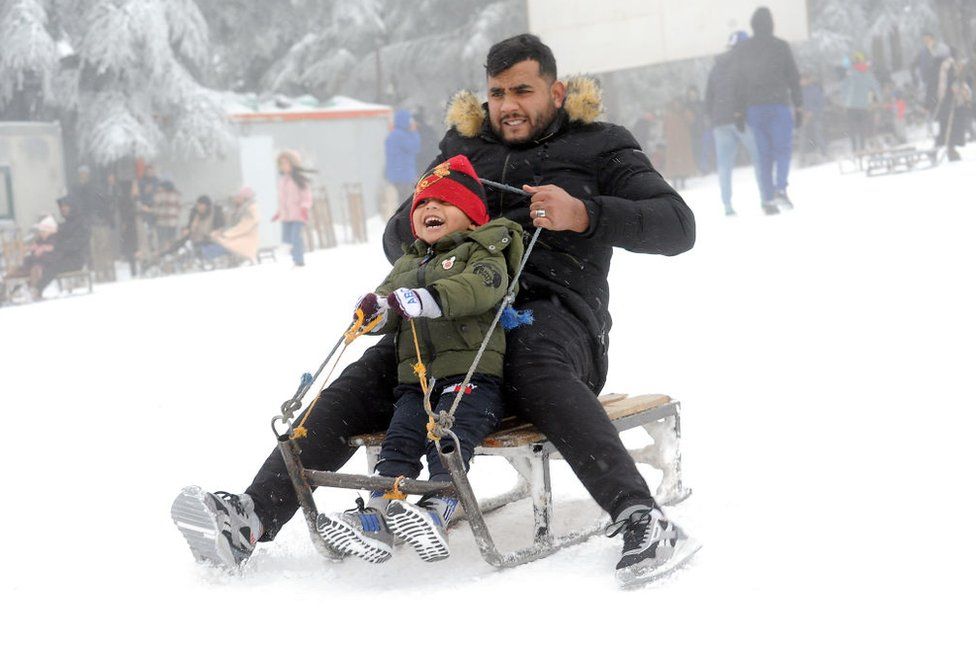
column 406, row 436
column 359, row 401
column 478, row 415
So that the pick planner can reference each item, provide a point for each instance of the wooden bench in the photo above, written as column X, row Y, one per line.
column 529, row 453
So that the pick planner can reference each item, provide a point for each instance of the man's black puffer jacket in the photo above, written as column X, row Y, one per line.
column 629, row 204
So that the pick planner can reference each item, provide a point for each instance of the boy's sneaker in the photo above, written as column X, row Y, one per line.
column 653, row 545
column 361, row 532
column 783, row 200
column 221, row 528
column 424, row 525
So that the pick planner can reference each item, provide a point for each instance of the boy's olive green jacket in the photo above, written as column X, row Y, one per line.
column 468, row 273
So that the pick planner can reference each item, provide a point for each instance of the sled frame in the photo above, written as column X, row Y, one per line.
column 530, row 454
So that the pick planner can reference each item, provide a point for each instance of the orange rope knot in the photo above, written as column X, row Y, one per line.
column 431, row 427
column 299, row 432
column 395, row 493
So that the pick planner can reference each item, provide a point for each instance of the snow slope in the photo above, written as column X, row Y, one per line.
column 824, row 361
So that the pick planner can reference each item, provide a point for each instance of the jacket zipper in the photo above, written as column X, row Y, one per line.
column 501, row 194
column 424, row 327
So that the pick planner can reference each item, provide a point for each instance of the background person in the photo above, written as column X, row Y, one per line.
column 242, row 237
column 402, row 146
column 294, row 203
column 767, row 75
column 728, row 123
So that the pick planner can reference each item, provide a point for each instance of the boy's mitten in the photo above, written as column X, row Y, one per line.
column 373, row 305
column 414, row 303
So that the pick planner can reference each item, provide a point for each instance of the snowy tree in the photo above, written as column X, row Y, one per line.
column 394, row 52
column 28, row 55
column 137, row 95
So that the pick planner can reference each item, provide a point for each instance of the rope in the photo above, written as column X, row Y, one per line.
column 300, row 432
column 356, row 329
column 395, row 493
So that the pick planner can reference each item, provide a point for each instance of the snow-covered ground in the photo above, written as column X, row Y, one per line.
column 824, row 359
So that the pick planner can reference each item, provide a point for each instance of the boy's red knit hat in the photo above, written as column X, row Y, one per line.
column 456, row 182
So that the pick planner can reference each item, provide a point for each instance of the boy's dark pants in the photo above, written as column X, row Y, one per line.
column 477, row 416
column 551, row 379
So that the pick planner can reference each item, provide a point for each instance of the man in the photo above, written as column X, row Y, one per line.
column 728, row 124
column 592, row 189
column 768, row 79
column 925, row 70
column 859, row 92
column 814, row 104
column 93, row 206
column 147, row 186
column 167, row 204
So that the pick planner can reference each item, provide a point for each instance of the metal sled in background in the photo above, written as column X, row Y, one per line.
column 529, row 453
column 889, row 161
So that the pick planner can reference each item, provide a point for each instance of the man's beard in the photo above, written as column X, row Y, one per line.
column 541, row 122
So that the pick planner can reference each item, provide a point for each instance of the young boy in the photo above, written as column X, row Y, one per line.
column 448, row 284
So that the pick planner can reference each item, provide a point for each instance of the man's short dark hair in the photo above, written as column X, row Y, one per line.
column 516, row 49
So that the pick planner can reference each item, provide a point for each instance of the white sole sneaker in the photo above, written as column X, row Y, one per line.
column 207, row 533
column 649, row 570
column 416, row 527
column 349, row 541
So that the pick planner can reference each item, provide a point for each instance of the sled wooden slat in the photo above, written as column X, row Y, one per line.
column 514, row 429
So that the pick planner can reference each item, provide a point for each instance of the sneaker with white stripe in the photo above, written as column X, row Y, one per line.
column 361, row 531
column 424, row 525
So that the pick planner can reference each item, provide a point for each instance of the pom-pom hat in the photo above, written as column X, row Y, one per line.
column 454, row 181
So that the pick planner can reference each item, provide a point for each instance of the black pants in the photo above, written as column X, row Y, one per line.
column 858, row 124
column 477, row 416
column 551, row 379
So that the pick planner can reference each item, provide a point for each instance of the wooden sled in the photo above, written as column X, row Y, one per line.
column 529, row 453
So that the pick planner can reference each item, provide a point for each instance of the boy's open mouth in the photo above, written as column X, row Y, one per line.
column 433, row 221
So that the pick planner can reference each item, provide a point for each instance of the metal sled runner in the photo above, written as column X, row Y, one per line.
column 529, row 453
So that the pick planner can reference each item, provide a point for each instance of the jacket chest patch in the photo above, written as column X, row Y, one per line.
column 448, row 264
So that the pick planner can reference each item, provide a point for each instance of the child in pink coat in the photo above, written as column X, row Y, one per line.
column 294, row 202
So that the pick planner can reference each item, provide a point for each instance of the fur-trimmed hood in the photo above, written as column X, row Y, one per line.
column 584, row 104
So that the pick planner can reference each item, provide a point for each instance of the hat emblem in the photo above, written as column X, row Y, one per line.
column 440, row 171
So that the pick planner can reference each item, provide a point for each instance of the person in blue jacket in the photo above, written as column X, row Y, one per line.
column 402, row 148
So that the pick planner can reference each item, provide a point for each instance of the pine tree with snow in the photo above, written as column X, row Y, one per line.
column 28, row 58
column 137, row 95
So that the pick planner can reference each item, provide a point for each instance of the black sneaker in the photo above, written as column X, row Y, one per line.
column 770, row 208
column 650, row 542
column 221, row 528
